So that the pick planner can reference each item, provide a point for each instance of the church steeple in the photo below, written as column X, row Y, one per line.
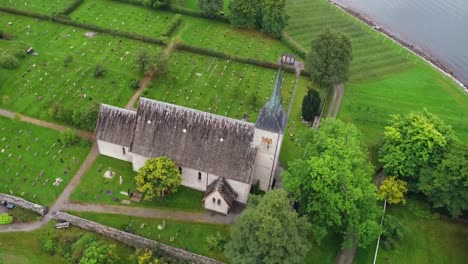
column 272, row 116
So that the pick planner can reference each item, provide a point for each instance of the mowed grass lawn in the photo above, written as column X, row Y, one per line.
column 186, row 235
column 43, row 80
column 195, row 31
column 24, row 247
column 427, row 240
column 218, row 86
column 47, row 7
column 193, row 4
column 94, row 188
column 31, row 159
column 385, row 79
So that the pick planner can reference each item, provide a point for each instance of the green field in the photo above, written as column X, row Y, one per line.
column 385, row 78
column 93, row 188
column 31, row 159
column 193, row 4
column 218, row 86
column 47, row 7
column 428, row 239
column 189, row 236
column 24, row 247
column 43, row 80
column 194, row 31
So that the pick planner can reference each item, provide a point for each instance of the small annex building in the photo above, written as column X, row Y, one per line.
column 221, row 156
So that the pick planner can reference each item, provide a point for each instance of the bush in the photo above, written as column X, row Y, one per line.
column 20, row 54
column 310, row 105
column 86, row 117
column 58, row 112
column 175, row 22
column 216, row 242
column 5, row 99
column 393, row 232
column 79, row 247
column 68, row 137
column 48, row 243
column 135, row 84
column 9, row 62
column 5, row 219
column 100, row 71
column 67, row 60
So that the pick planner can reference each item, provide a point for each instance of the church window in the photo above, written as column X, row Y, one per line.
column 214, row 200
column 219, row 201
column 123, row 151
column 199, row 176
column 180, row 170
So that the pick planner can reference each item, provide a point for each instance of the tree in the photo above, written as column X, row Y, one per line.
column 446, row 185
column 144, row 61
column 329, row 59
column 158, row 177
column 273, row 17
column 393, row 190
column 244, row 13
column 412, row 142
column 211, row 8
column 146, row 256
column 393, row 232
column 86, row 116
column 268, row 231
column 310, row 105
column 68, row 137
column 161, row 62
column 100, row 71
column 9, row 62
column 332, row 184
column 99, row 252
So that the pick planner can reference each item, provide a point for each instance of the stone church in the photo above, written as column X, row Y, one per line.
column 221, row 156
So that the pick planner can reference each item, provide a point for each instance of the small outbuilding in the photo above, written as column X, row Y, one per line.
column 219, row 196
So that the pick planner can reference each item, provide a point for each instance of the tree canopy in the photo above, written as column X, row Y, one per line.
column 244, row 13
column 446, row 185
column 310, row 105
column 158, row 177
column 412, row 142
column 393, row 190
column 211, row 8
column 332, row 184
column 268, row 231
column 329, row 59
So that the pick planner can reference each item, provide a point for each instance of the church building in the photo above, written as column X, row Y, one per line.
column 221, row 156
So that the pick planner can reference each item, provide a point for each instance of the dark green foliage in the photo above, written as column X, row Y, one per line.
column 67, row 60
column 20, row 54
column 48, row 242
column 175, row 22
column 86, row 116
column 211, row 8
column 273, row 17
column 332, row 184
column 99, row 252
column 329, row 59
column 58, row 112
column 9, row 62
column 145, row 61
column 393, row 232
column 216, row 242
column 135, row 84
column 161, row 62
column 245, row 13
column 68, row 137
column 79, row 247
column 310, row 105
column 268, row 231
column 446, row 185
column 100, row 71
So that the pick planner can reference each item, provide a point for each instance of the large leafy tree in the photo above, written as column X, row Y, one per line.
column 158, row 177
column 99, row 252
column 244, row 13
column 412, row 142
column 393, row 190
column 273, row 17
column 446, row 185
column 86, row 116
column 211, row 7
column 310, row 105
column 332, row 184
column 268, row 231
column 329, row 59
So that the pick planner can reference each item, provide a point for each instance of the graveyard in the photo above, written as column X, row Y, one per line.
column 43, row 7
column 95, row 188
column 32, row 160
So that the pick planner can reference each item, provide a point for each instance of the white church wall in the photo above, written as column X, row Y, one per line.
column 211, row 203
column 266, row 158
column 138, row 161
column 194, row 179
column 114, row 151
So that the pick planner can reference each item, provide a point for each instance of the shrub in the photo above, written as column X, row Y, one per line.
column 216, row 242
column 310, row 105
column 393, row 232
column 67, row 60
column 135, row 84
column 20, row 54
column 58, row 112
column 48, row 243
column 5, row 219
column 68, row 137
column 79, row 247
column 5, row 99
column 100, row 71
column 86, row 116
column 9, row 62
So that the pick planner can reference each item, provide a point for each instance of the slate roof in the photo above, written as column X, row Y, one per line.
column 272, row 117
column 115, row 125
column 210, row 143
column 222, row 186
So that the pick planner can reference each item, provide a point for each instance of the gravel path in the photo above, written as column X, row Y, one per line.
column 336, row 101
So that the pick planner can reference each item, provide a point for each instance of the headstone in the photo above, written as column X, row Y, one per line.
column 120, row 180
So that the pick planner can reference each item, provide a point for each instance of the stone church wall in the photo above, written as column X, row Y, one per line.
column 23, row 203
column 114, row 151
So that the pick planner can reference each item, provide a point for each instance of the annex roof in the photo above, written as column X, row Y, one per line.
column 222, row 186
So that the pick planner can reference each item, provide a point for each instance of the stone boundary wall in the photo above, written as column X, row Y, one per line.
column 24, row 204
column 131, row 239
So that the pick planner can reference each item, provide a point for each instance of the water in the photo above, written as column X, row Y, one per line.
column 439, row 28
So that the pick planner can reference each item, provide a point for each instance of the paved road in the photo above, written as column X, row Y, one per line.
column 203, row 217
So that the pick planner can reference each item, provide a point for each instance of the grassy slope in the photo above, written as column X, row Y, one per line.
column 427, row 240
column 191, row 236
column 385, row 78
column 93, row 186
column 29, row 166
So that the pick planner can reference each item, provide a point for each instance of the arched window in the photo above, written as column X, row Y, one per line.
column 214, row 200
column 219, row 201
column 199, row 176
column 180, row 170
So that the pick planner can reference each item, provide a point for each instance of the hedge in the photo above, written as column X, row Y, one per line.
column 293, row 46
column 71, row 7
column 175, row 22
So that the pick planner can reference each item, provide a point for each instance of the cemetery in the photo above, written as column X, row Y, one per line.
column 43, row 7
column 31, row 160
column 96, row 188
